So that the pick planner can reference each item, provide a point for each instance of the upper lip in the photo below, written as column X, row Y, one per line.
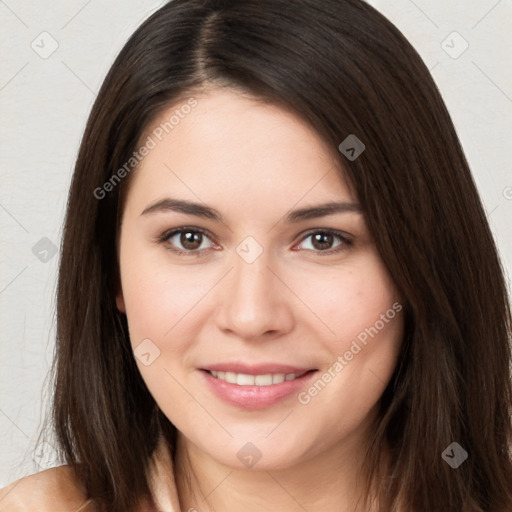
column 256, row 369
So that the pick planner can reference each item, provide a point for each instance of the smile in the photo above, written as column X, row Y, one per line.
column 258, row 391
column 244, row 379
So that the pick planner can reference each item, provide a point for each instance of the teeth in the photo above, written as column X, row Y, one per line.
column 277, row 378
column 230, row 377
column 243, row 379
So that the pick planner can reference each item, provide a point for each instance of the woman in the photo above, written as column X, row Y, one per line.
column 278, row 289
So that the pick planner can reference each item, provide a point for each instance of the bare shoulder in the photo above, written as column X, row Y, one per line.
column 52, row 490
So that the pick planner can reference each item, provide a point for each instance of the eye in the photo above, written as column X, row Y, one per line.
column 187, row 240
column 192, row 241
column 326, row 241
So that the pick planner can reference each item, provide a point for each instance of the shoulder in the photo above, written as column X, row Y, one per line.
column 52, row 490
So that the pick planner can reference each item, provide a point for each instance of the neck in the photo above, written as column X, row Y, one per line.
column 327, row 481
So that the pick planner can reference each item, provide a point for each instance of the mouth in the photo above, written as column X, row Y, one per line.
column 246, row 379
column 256, row 390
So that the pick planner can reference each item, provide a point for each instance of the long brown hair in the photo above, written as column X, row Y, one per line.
column 344, row 68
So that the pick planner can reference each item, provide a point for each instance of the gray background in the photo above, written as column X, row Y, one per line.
column 45, row 98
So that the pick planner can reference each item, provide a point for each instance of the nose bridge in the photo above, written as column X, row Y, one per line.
column 251, row 279
column 251, row 302
column 251, row 284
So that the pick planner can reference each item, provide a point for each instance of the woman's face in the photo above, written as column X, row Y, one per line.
column 231, row 262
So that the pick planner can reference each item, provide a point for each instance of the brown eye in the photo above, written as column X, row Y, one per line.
column 322, row 241
column 191, row 240
column 325, row 241
column 186, row 241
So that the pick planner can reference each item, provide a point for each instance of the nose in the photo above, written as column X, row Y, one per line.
column 253, row 302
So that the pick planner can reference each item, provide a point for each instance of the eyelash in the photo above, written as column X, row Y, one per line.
column 345, row 241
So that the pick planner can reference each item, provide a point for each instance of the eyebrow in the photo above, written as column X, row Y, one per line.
column 199, row 210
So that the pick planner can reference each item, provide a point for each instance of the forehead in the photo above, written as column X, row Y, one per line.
column 230, row 145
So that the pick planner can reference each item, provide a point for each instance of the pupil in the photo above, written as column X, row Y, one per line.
column 191, row 240
column 322, row 240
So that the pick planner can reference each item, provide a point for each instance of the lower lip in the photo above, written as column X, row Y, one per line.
column 255, row 397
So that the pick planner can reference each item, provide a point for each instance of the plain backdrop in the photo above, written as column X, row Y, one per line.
column 55, row 55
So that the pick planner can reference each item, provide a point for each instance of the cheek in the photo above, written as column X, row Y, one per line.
column 354, row 300
column 159, row 298
column 363, row 310
column 160, row 301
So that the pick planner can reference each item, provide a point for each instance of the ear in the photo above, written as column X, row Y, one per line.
column 120, row 302
column 119, row 297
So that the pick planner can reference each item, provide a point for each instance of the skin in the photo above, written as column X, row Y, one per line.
column 296, row 304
